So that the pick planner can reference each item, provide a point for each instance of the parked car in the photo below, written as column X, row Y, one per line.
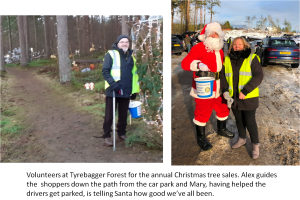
column 254, row 44
column 296, row 38
column 278, row 50
column 177, row 45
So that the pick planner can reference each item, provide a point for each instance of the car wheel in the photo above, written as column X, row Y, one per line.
column 295, row 65
column 263, row 61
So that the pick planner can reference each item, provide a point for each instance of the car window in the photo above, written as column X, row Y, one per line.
column 265, row 41
column 285, row 43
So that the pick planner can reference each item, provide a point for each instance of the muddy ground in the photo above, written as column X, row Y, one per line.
column 57, row 131
column 277, row 120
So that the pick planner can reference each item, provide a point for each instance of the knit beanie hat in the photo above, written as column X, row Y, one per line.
column 209, row 29
column 121, row 37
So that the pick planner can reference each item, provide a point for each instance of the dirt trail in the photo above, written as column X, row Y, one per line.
column 277, row 119
column 58, row 133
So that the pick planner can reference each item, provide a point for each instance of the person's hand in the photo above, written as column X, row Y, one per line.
column 133, row 96
column 117, row 88
column 203, row 67
column 229, row 102
column 226, row 95
column 241, row 96
column 194, row 65
column 228, row 98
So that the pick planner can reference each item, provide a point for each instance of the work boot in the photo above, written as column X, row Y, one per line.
column 108, row 142
column 255, row 151
column 222, row 130
column 239, row 143
column 122, row 137
column 201, row 139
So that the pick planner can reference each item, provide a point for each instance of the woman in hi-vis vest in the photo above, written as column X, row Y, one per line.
column 240, row 77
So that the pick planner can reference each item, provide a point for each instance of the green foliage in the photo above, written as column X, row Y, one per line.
column 149, row 57
column 42, row 62
column 99, row 87
column 12, row 65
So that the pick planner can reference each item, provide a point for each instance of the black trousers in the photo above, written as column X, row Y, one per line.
column 122, row 105
column 246, row 119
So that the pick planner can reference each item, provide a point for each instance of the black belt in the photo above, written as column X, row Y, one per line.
column 200, row 73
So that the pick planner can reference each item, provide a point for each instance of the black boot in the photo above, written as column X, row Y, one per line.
column 201, row 139
column 222, row 130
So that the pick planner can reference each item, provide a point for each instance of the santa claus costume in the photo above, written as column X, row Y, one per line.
column 206, row 59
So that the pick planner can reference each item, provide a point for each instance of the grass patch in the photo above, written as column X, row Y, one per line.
column 12, row 65
column 42, row 62
column 98, row 109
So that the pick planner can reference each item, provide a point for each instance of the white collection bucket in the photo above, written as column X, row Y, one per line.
column 204, row 86
column 135, row 109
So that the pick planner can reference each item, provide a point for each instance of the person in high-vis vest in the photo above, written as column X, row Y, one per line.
column 240, row 77
column 229, row 42
column 120, row 74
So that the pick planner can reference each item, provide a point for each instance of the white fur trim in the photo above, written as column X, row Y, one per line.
column 219, row 61
column 193, row 65
column 199, row 123
column 221, row 118
column 201, row 37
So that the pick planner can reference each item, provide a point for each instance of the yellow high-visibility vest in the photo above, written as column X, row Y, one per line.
column 245, row 75
column 115, row 71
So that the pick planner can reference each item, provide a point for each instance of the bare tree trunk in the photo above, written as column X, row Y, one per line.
column 211, row 12
column 47, row 42
column 117, row 25
column 196, row 16
column 187, row 15
column 35, row 35
column 26, row 33
column 201, row 15
column 85, row 49
column 124, row 25
column 91, row 30
column 63, row 53
column 2, row 68
column 23, row 61
column 9, row 35
column 78, row 33
column 103, row 29
column 204, row 14
column 54, row 36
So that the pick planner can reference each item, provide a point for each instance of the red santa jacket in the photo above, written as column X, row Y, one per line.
column 199, row 52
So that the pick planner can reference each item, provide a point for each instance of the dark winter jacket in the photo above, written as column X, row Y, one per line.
column 187, row 40
column 126, row 73
column 237, row 59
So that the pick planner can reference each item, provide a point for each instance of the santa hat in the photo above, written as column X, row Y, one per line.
column 209, row 29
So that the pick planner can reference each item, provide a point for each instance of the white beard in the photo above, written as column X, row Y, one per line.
column 124, row 49
column 213, row 44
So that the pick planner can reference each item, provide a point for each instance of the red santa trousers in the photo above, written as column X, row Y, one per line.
column 204, row 108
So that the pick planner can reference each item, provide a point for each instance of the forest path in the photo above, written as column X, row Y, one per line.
column 58, row 132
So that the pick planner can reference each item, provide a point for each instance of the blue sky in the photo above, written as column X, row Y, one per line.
column 236, row 11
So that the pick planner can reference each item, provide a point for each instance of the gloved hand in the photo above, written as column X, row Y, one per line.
column 117, row 89
column 203, row 67
column 133, row 96
column 228, row 98
column 194, row 65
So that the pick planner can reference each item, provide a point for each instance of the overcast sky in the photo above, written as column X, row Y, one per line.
column 236, row 11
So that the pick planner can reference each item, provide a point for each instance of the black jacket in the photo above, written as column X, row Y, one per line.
column 237, row 59
column 126, row 72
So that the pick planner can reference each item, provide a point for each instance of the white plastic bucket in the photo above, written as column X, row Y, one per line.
column 204, row 86
column 135, row 109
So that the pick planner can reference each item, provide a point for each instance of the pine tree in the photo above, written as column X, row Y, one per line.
column 148, row 51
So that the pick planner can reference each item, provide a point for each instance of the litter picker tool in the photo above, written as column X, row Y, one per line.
column 114, row 120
